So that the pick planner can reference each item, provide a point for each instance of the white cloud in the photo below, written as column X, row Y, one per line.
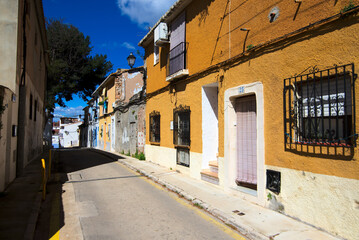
column 68, row 111
column 144, row 12
column 128, row 46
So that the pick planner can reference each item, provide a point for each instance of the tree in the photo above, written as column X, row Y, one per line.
column 72, row 69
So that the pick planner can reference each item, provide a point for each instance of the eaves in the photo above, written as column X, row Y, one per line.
column 176, row 9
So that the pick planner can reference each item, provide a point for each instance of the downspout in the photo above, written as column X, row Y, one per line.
column 22, row 101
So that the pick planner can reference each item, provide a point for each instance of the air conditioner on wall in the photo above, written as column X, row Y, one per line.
column 161, row 34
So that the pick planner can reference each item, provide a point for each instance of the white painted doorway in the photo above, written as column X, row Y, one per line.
column 209, row 124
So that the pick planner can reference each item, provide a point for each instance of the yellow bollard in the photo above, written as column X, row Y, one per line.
column 43, row 179
column 49, row 171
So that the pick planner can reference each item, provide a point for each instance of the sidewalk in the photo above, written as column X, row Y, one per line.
column 253, row 221
column 20, row 205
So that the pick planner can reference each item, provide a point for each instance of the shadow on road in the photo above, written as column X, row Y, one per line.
column 66, row 161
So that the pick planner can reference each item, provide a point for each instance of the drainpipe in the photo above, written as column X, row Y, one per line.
column 22, row 102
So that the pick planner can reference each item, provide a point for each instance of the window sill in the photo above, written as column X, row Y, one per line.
column 155, row 143
column 182, row 146
column 324, row 144
column 178, row 74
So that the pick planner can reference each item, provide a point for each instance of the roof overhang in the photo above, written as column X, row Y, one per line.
column 176, row 9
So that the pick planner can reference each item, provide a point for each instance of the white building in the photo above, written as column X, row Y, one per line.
column 69, row 132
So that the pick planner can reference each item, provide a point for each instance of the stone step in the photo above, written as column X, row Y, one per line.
column 209, row 176
column 213, row 166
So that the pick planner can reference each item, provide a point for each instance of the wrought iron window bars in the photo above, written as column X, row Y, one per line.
column 319, row 107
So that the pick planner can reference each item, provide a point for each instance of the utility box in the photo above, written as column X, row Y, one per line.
column 161, row 34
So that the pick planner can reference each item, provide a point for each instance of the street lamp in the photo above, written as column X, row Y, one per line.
column 131, row 60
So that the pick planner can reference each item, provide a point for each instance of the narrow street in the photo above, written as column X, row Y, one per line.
column 93, row 196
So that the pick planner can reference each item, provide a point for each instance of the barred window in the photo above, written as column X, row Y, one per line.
column 181, row 134
column 319, row 107
column 181, row 124
column 155, row 127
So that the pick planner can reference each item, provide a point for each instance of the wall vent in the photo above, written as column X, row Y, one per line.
column 273, row 181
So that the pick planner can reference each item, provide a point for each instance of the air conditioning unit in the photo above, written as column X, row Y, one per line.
column 161, row 34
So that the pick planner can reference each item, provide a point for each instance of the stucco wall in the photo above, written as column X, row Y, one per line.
column 129, row 129
column 327, row 202
column 218, row 23
column 331, row 44
column 7, row 141
column 8, row 36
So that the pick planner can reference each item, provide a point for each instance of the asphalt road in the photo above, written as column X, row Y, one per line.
column 95, row 197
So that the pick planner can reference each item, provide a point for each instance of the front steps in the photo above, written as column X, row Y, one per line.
column 211, row 175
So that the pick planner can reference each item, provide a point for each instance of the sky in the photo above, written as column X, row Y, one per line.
column 114, row 26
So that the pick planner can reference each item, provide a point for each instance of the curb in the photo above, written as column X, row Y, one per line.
column 225, row 218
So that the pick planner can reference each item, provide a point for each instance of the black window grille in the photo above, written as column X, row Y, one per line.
column 319, row 108
column 177, row 59
column 155, row 127
column 181, row 126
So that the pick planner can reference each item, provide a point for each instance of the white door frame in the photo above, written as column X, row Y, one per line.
column 230, row 140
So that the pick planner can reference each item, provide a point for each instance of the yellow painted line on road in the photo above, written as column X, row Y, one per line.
column 201, row 213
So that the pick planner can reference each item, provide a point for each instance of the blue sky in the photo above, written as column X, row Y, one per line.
column 114, row 26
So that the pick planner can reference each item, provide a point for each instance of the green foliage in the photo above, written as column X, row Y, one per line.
column 198, row 205
column 269, row 196
column 101, row 103
column 249, row 47
column 128, row 154
column 73, row 69
column 122, row 152
column 139, row 156
column 348, row 7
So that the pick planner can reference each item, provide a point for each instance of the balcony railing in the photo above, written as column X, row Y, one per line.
column 177, row 59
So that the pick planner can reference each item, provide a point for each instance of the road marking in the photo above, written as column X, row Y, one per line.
column 199, row 212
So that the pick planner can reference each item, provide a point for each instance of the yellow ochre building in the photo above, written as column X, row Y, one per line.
column 260, row 97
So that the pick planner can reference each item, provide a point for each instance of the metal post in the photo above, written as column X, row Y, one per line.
column 43, row 179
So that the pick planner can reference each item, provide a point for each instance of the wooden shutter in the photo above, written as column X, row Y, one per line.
column 178, row 30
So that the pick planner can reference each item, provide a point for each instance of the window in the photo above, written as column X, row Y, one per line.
column 181, row 122
column 178, row 46
column 30, row 114
column 319, row 108
column 181, row 134
column 155, row 127
column 35, row 110
column 156, row 55
column 108, row 131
